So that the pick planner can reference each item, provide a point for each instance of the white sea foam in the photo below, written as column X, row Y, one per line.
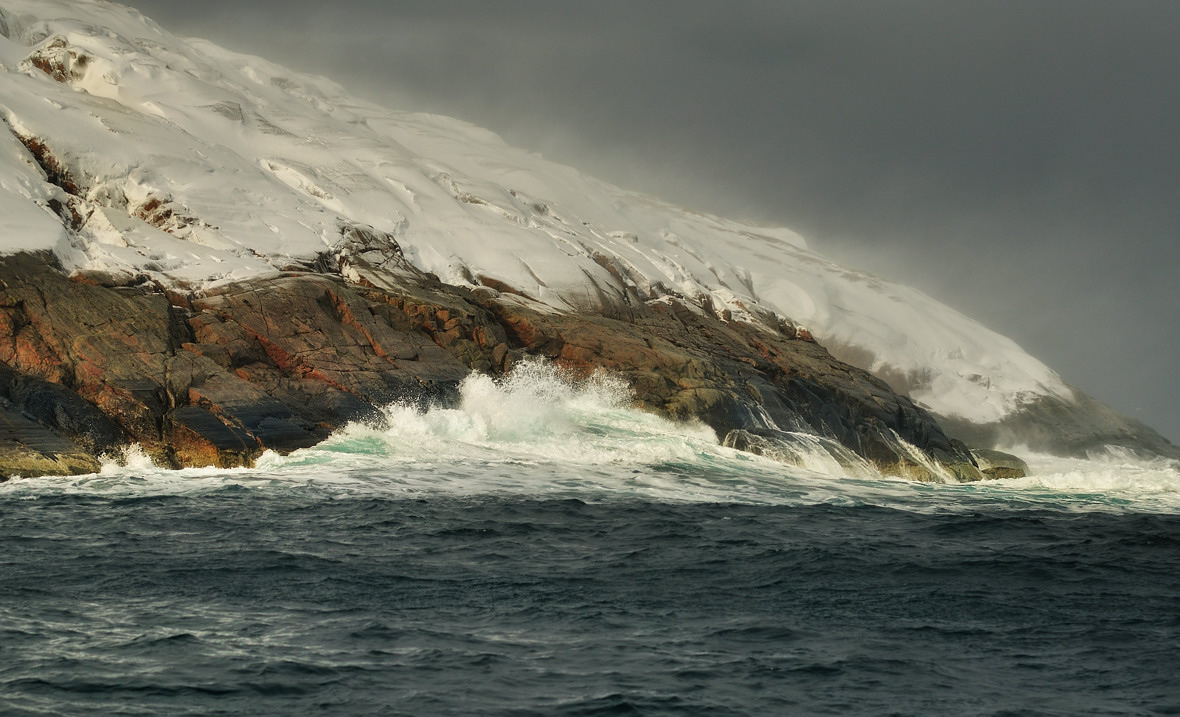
column 131, row 459
column 1114, row 476
column 541, row 433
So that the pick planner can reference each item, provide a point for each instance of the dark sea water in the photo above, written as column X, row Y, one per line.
column 580, row 558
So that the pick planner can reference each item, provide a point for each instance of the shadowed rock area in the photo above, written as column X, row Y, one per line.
column 1053, row 425
column 91, row 362
column 685, row 363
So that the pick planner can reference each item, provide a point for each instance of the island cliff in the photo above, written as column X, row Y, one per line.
column 88, row 364
column 211, row 256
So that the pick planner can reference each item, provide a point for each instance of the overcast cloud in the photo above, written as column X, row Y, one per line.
column 1018, row 160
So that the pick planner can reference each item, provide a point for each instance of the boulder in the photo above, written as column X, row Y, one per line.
column 997, row 464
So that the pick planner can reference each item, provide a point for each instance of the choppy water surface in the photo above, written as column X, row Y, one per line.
column 543, row 549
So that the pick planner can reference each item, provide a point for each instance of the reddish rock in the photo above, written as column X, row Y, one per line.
column 195, row 437
column 218, row 377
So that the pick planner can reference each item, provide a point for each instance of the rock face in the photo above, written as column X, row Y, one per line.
column 29, row 448
column 997, row 464
column 212, row 380
column 91, row 362
column 684, row 363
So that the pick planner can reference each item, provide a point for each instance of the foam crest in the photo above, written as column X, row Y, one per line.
column 535, row 402
column 1115, row 477
column 542, row 433
column 537, row 413
column 131, row 459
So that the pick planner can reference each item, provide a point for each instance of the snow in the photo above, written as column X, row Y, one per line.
column 199, row 165
column 11, row 53
column 26, row 221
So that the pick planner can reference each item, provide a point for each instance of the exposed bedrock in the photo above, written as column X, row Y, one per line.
column 743, row 381
column 89, row 363
column 212, row 380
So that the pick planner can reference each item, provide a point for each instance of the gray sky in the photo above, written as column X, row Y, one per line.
column 1017, row 160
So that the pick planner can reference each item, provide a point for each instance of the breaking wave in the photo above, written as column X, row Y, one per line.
column 1116, row 476
column 541, row 432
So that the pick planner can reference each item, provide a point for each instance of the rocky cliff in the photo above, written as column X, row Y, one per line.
column 210, row 255
column 91, row 362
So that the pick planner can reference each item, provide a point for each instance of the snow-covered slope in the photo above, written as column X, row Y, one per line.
column 198, row 165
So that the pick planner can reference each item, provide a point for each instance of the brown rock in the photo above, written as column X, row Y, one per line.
column 687, row 363
column 278, row 362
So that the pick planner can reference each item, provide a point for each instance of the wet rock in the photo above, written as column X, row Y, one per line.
column 686, row 363
column 29, row 449
column 215, row 378
column 805, row 450
column 61, row 411
column 997, row 464
column 195, row 437
column 275, row 363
